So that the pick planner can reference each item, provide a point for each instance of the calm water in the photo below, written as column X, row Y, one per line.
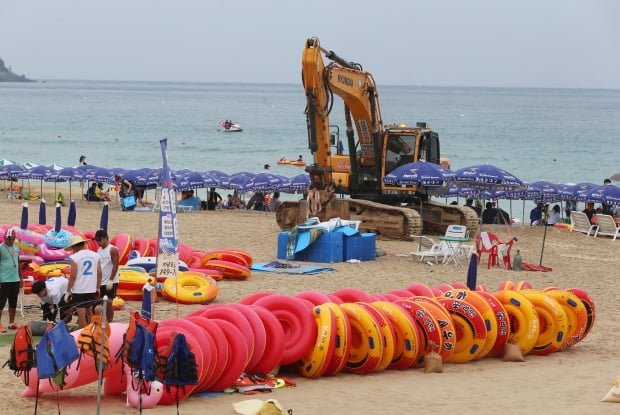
column 119, row 124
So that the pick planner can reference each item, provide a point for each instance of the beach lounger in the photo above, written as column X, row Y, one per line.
column 428, row 248
column 606, row 226
column 581, row 223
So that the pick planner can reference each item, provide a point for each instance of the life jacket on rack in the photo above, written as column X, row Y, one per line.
column 138, row 349
column 22, row 357
column 90, row 342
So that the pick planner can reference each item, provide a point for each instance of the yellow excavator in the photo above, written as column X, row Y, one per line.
column 355, row 165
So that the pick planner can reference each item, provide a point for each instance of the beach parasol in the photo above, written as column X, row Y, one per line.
column 542, row 192
column 57, row 226
column 486, row 176
column 72, row 216
column 296, row 184
column 69, row 174
column 103, row 222
column 24, row 220
column 607, row 194
column 615, row 177
column 420, row 173
column 42, row 212
column 425, row 176
column 472, row 272
column 265, row 182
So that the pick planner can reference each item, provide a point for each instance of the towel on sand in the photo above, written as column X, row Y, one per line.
column 283, row 268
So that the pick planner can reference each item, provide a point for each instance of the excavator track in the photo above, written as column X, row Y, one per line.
column 394, row 222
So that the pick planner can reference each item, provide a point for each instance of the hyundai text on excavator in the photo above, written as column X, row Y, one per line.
column 375, row 150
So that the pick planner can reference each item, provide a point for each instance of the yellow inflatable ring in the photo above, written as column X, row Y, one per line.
column 407, row 336
column 576, row 314
column 471, row 331
column 387, row 335
column 484, row 308
column 315, row 363
column 190, row 289
column 552, row 321
column 342, row 341
column 524, row 326
column 366, row 345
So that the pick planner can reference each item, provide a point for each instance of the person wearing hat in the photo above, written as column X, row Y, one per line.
column 84, row 280
column 52, row 295
column 266, row 166
column 109, row 257
column 11, row 280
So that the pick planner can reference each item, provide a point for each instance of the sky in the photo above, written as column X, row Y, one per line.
column 525, row 43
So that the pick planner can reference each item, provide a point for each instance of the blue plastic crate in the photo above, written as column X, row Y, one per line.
column 283, row 238
column 327, row 248
column 361, row 246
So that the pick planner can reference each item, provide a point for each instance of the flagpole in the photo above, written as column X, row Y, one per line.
column 168, row 238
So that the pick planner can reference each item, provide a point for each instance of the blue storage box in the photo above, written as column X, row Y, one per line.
column 327, row 248
column 282, row 244
column 361, row 246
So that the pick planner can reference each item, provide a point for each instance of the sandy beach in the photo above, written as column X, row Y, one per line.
column 567, row 382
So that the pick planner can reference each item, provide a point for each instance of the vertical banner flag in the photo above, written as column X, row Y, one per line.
column 168, row 242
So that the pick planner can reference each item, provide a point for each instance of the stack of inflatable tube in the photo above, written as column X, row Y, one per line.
column 233, row 264
column 350, row 330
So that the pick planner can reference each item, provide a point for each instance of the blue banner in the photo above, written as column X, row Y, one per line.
column 168, row 243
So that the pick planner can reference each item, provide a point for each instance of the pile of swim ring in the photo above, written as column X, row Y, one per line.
column 43, row 247
column 350, row 330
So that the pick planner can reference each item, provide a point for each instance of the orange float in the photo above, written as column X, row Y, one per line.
column 223, row 255
column 230, row 270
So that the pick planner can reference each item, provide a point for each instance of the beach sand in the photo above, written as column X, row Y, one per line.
column 567, row 382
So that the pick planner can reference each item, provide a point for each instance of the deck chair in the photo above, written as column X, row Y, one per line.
column 489, row 243
column 427, row 247
column 606, row 226
column 581, row 223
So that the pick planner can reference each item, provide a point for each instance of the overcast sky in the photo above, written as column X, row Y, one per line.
column 535, row 43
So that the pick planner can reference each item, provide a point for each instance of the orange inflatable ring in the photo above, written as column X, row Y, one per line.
column 315, row 363
column 524, row 325
column 230, row 270
column 407, row 335
column 429, row 328
column 471, row 332
column 589, row 305
column 552, row 320
column 387, row 335
column 122, row 242
column 576, row 314
column 141, row 245
column 238, row 356
column 342, row 341
column 224, row 256
column 422, row 290
column 366, row 345
column 259, row 335
column 275, row 341
column 485, row 311
column 217, row 341
column 245, row 254
column 503, row 323
column 444, row 322
column 297, row 322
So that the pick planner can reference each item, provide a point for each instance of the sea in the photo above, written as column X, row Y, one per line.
column 558, row 135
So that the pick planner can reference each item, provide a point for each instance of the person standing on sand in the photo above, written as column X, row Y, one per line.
column 84, row 280
column 82, row 162
column 11, row 281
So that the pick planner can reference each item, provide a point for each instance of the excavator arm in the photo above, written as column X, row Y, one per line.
column 357, row 90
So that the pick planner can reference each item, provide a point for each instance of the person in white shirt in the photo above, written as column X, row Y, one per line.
column 52, row 295
column 554, row 215
column 109, row 257
column 84, row 281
